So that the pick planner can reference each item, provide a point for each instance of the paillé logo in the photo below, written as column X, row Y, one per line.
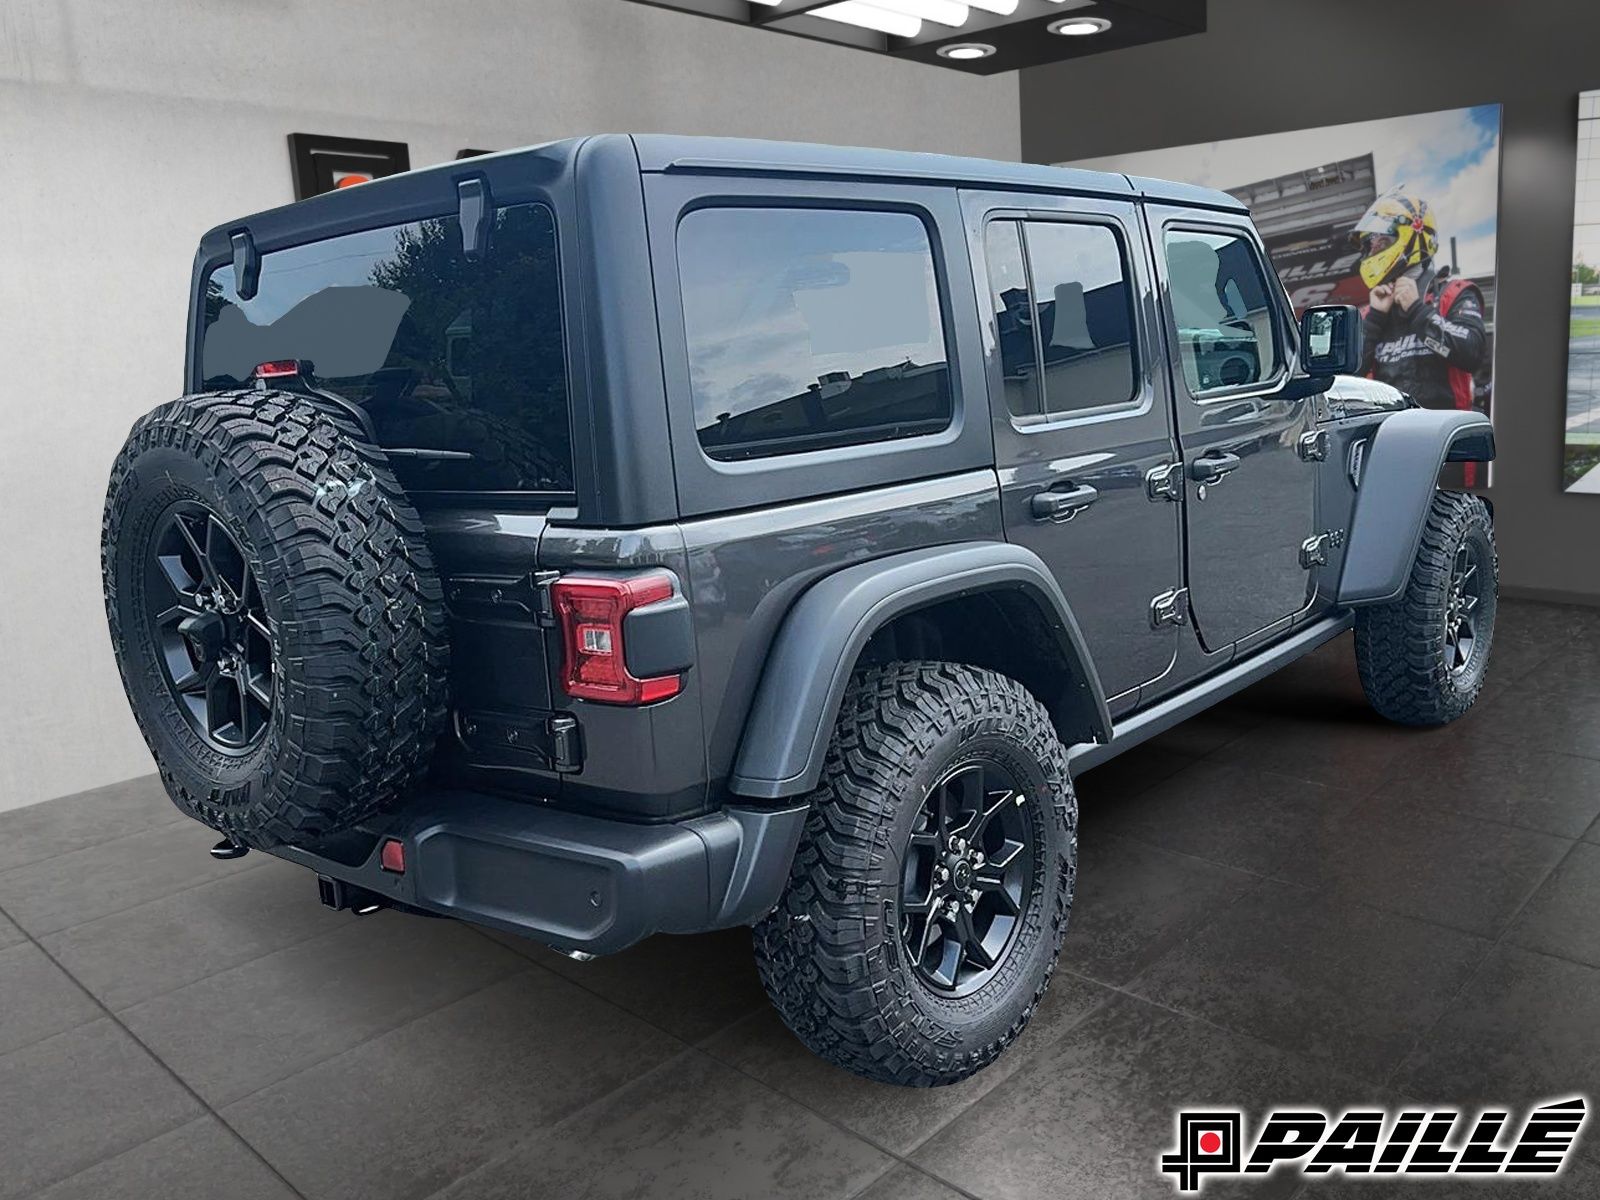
column 1374, row 1141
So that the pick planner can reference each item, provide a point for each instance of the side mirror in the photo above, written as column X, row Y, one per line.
column 1330, row 340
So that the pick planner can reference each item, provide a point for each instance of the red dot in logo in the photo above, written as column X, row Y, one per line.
column 1210, row 1143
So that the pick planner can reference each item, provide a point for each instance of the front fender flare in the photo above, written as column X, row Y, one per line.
column 802, row 687
column 1397, row 485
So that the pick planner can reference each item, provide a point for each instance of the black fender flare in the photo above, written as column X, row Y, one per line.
column 1398, row 480
column 816, row 649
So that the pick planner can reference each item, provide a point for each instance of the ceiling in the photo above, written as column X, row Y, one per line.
column 982, row 37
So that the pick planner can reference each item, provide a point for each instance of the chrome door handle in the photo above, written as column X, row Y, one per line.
column 1062, row 505
column 1211, row 468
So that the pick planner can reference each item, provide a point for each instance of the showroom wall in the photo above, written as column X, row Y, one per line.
column 128, row 128
column 1270, row 66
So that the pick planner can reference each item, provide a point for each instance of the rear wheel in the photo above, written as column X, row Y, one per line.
column 931, row 891
column 274, row 612
column 1422, row 656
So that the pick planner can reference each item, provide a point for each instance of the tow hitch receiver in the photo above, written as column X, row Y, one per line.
column 337, row 895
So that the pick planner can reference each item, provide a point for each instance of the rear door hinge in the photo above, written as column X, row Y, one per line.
column 544, row 609
column 1164, row 482
column 1313, row 445
column 1314, row 550
column 1170, row 608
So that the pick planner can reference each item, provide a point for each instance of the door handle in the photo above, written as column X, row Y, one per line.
column 1062, row 505
column 1211, row 468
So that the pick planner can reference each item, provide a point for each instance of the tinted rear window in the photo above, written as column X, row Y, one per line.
column 810, row 329
column 445, row 352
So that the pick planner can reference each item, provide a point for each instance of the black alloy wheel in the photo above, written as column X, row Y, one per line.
column 211, row 628
column 1466, row 592
column 967, row 877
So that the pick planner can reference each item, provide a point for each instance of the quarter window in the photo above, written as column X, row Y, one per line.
column 1222, row 308
column 810, row 329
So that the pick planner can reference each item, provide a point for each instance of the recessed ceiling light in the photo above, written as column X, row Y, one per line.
column 1079, row 26
column 966, row 50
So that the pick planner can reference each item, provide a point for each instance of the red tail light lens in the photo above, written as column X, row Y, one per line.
column 590, row 610
column 278, row 368
column 392, row 856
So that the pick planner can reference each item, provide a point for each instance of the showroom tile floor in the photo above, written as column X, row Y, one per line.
column 1284, row 900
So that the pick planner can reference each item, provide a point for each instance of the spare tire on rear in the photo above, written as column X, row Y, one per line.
column 275, row 614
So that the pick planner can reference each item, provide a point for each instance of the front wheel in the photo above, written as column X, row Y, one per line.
column 1422, row 656
column 928, row 899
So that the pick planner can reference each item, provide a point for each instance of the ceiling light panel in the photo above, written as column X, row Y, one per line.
column 982, row 37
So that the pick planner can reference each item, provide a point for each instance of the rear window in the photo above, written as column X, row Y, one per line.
column 444, row 352
column 810, row 329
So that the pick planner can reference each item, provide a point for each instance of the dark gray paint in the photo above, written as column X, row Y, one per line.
column 1267, row 66
column 1122, row 550
column 811, row 660
column 1397, row 488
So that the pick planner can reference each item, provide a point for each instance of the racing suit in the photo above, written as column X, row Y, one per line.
column 1431, row 350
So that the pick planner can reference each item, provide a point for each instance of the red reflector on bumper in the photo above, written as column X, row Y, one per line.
column 392, row 856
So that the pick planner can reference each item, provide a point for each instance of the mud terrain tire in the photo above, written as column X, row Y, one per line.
column 1414, row 667
column 843, row 956
column 265, row 574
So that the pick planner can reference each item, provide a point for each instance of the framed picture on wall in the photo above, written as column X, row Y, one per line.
column 1580, row 467
column 321, row 163
column 1398, row 216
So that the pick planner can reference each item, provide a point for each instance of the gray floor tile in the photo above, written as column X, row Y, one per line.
column 37, row 998
column 69, row 889
column 1089, row 1119
column 1563, row 918
column 895, row 1118
column 402, row 1115
column 80, row 1097
column 200, row 1161
column 905, row 1182
column 1533, row 715
column 1352, row 749
column 693, row 1127
column 1347, row 984
column 1129, row 774
column 1235, row 816
column 1207, row 731
column 130, row 956
column 1479, row 777
column 1459, row 871
column 40, row 831
column 1524, row 1031
column 10, row 935
column 1579, row 1181
column 234, row 1032
column 1530, row 635
column 1135, row 901
column 689, row 986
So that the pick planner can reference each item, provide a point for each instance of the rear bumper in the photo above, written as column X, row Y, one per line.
column 574, row 882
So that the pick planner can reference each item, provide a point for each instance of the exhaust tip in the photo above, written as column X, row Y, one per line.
column 227, row 848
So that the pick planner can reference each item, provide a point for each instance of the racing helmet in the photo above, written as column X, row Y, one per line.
column 1395, row 234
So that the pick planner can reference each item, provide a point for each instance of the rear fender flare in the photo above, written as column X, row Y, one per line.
column 816, row 649
column 1400, row 475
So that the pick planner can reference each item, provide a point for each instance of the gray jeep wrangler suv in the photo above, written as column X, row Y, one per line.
column 652, row 534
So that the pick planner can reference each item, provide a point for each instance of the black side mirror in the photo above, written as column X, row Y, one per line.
column 1330, row 340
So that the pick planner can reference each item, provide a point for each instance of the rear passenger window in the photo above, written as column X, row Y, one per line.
column 1064, row 318
column 810, row 329
column 1222, row 309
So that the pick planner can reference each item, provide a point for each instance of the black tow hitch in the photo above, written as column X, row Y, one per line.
column 338, row 895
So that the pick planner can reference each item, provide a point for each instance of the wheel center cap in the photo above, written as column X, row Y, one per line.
column 961, row 875
column 205, row 636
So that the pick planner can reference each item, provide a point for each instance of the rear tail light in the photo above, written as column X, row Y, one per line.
column 590, row 611
column 278, row 368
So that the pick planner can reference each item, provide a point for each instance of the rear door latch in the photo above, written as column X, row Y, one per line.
column 1164, row 482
